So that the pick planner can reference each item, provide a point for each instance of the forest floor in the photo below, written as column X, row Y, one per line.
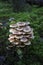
column 35, row 16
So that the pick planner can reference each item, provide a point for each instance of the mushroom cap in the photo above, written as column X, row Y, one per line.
column 27, row 43
column 20, row 24
column 19, row 28
column 15, row 43
column 27, row 36
column 12, row 36
column 13, row 31
column 18, row 37
column 23, row 39
column 27, row 29
column 20, row 33
column 11, row 39
column 13, row 25
column 32, row 35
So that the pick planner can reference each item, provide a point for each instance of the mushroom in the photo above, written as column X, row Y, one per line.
column 13, row 25
column 21, row 33
column 27, row 36
column 18, row 36
column 32, row 35
column 13, row 31
column 11, row 39
column 19, row 28
column 12, row 36
column 27, row 43
column 20, row 24
column 23, row 39
column 27, row 29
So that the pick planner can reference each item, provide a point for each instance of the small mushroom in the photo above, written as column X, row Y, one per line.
column 13, row 31
column 27, row 36
column 13, row 25
column 17, row 32
column 11, row 39
column 27, row 43
column 20, row 24
column 32, row 35
column 12, row 36
column 21, row 33
column 23, row 39
column 27, row 29
column 15, row 43
column 18, row 36
column 19, row 28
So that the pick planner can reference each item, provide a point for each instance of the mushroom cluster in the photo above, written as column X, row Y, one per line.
column 20, row 34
